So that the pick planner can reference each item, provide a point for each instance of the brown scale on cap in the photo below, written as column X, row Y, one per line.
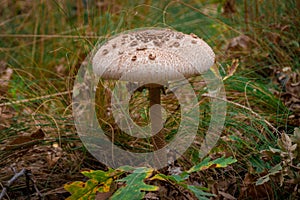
column 104, row 52
column 142, row 48
column 193, row 35
column 133, row 58
column 152, row 56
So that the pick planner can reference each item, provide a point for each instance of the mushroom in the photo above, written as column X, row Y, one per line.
column 152, row 57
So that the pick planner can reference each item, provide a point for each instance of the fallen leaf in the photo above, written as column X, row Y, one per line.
column 227, row 196
column 229, row 7
column 39, row 134
column 5, row 76
column 251, row 191
column 240, row 43
column 25, row 140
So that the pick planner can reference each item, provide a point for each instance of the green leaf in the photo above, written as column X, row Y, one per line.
column 218, row 163
column 275, row 170
column 173, row 178
column 135, row 185
column 99, row 175
column 201, row 166
column 179, row 179
column 257, row 163
column 199, row 193
column 126, row 168
column 224, row 162
column 262, row 180
column 81, row 190
column 100, row 181
column 162, row 177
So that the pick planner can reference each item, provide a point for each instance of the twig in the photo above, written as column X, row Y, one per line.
column 30, row 176
column 296, row 167
column 17, row 175
column 34, row 99
column 47, row 36
column 12, row 180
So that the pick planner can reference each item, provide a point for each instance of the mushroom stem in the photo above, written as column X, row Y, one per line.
column 158, row 137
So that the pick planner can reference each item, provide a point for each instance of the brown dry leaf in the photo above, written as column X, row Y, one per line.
column 285, row 142
column 5, row 76
column 39, row 134
column 227, row 196
column 289, row 81
column 6, row 115
column 223, row 189
column 52, row 160
column 2, row 66
column 293, row 84
column 60, row 69
column 240, row 43
column 103, row 195
column 25, row 140
column 151, row 196
column 54, row 154
column 251, row 191
column 229, row 7
column 18, row 142
column 273, row 37
column 214, row 189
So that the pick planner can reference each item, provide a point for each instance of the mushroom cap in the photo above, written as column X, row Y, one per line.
column 152, row 55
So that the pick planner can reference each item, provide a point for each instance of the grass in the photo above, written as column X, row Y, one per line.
column 45, row 42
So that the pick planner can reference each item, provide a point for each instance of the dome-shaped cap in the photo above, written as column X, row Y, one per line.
column 152, row 55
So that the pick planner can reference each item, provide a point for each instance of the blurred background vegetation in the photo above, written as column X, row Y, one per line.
column 43, row 43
